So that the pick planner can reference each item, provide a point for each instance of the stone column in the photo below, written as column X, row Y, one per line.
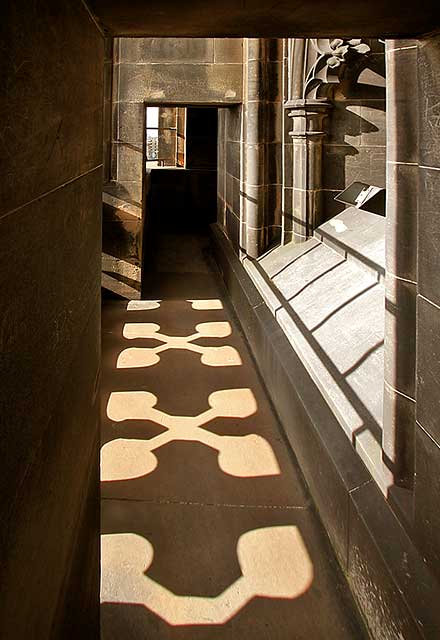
column 308, row 116
column 427, row 426
column 401, row 260
column 260, row 191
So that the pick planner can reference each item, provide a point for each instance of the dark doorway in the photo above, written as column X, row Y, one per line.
column 180, row 187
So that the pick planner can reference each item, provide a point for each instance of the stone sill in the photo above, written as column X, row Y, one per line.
column 328, row 300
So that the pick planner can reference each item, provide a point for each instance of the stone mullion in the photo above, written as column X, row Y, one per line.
column 401, row 261
column 254, row 178
column 308, row 117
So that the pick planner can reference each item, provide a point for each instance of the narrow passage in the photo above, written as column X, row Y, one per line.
column 207, row 530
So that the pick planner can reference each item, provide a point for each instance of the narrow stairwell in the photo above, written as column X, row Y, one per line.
column 207, row 529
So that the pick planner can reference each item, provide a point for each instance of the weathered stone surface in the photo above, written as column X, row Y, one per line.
column 52, row 121
column 428, row 255
column 190, row 83
column 233, row 116
column 380, row 576
column 400, row 335
column 43, row 316
column 263, row 122
column 428, row 367
column 324, row 459
column 233, row 159
column 232, row 226
column 203, row 548
column 129, row 162
column 50, row 534
column 429, row 87
column 176, row 50
column 402, row 101
column 398, row 436
column 344, row 164
column 128, row 122
column 254, row 167
column 228, row 50
column 427, row 496
column 401, row 220
column 50, row 346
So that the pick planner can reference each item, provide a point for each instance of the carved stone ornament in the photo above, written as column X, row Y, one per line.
column 315, row 65
column 340, row 48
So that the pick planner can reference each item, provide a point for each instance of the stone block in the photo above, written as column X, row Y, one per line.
column 131, row 190
column 254, row 166
column 400, row 335
column 307, row 157
column 50, row 374
column 426, row 501
column 233, row 123
column 401, row 220
column 330, row 207
column 253, row 200
column 166, row 50
column 287, row 164
column 129, row 162
column 335, row 157
column 373, row 123
column 55, row 512
column 402, row 103
column 273, row 154
column 228, row 50
column 52, row 112
column 358, row 122
column 255, row 49
column 233, row 158
column 274, row 49
column 263, row 122
column 428, row 367
column 274, row 208
column 428, row 251
column 274, row 81
column 256, row 80
column 306, row 211
column 326, row 456
column 236, row 197
column 429, row 87
column 232, row 226
column 229, row 190
column 345, row 123
column 366, row 166
column 185, row 82
column 274, row 235
column 122, row 239
column 398, row 436
column 390, row 583
column 129, row 123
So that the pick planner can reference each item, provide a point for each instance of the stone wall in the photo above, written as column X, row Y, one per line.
column 380, row 511
column 204, row 71
column 250, row 172
column 229, row 172
column 50, row 239
column 354, row 149
column 427, row 433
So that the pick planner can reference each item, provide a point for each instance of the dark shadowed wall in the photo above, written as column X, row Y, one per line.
column 51, row 67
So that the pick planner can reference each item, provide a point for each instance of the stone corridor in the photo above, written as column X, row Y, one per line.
column 207, row 529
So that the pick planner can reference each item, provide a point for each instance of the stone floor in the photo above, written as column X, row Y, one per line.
column 207, row 530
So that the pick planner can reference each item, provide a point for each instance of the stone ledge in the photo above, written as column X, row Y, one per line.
column 372, row 547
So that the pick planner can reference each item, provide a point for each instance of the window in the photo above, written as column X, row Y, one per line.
column 165, row 136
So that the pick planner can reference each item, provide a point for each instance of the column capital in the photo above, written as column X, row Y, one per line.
column 308, row 116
